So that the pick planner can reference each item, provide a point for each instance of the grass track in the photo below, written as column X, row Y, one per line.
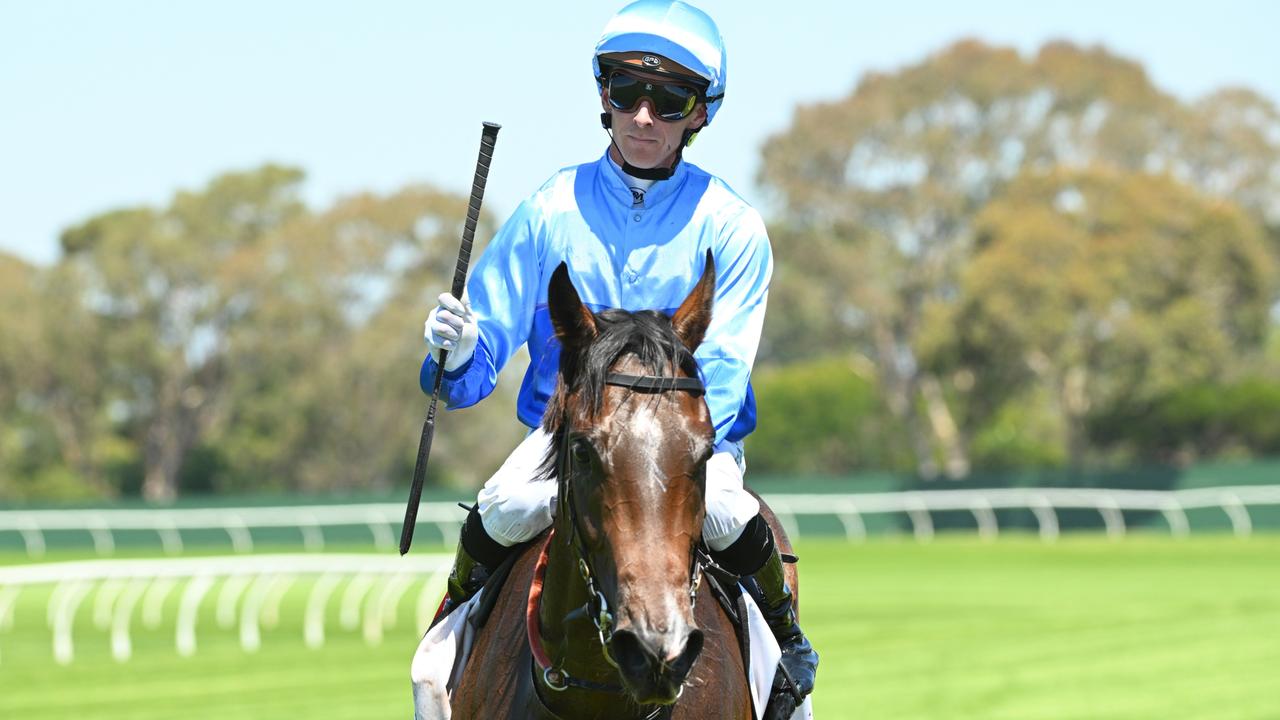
column 1149, row 627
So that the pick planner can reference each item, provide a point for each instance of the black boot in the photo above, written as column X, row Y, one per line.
column 465, row 580
column 799, row 664
column 477, row 555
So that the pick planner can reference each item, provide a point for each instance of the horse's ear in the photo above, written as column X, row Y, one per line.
column 691, row 320
column 574, row 324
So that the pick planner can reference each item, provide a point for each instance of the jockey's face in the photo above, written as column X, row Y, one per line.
column 646, row 140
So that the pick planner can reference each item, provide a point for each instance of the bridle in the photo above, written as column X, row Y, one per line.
column 597, row 609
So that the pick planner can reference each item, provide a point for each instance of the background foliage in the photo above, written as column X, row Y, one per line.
column 985, row 262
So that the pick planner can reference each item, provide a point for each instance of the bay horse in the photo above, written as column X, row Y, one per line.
column 610, row 619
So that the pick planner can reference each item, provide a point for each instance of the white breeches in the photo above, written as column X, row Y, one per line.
column 514, row 509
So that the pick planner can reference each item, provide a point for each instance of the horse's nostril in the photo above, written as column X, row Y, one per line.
column 630, row 653
column 683, row 662
column 638, row 656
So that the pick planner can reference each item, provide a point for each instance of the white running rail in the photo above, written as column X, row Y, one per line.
column 252, row 591
column 383, row 519
column 1043, row 503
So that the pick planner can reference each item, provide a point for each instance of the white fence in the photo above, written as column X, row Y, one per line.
column 1042, row 502
column 383, row 519
column 250, row 588
column 372, row 587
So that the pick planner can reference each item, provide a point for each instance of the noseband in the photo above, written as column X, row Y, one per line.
column 597, row 608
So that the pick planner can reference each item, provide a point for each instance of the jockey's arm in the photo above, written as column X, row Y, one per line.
column 744, row 267
column 503, row 291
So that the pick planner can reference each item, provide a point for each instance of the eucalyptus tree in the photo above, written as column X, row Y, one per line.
column 165, row 284
column 877, row 192
column 327, row 394
column 1110, row 289
column 55, row 435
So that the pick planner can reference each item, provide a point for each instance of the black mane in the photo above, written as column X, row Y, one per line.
column 646, row 335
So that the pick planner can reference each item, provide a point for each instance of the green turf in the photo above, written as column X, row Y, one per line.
column 1147, row 627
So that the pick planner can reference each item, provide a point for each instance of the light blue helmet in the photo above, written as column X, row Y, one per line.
column 674, row 30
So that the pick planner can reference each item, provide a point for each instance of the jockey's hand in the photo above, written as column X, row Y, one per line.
column 452, row 326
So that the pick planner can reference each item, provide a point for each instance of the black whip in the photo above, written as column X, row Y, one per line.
column 488, row 136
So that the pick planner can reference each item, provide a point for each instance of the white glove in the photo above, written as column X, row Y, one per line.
column 452, row 326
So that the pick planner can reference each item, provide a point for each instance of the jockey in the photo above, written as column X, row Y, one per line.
column 634, row 226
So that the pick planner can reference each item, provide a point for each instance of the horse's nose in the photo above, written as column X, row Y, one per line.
column 655, row 664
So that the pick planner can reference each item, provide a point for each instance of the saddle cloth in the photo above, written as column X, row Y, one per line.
column 441, row 656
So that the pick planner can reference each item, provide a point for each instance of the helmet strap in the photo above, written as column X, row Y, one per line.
column 658, row 173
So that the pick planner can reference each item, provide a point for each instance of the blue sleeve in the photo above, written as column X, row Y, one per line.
column 503, row 291
column 744, row 267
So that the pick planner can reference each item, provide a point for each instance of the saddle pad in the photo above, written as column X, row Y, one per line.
column 764, row 657
column 439, row 660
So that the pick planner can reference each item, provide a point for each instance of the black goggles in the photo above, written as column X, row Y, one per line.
column 670, row 102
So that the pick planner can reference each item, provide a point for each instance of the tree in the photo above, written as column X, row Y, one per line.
column 1112, row 290
column 822, row 416
column 878, row 191
column 55, row 437
column 325, row 396
column 164, row 283
column 276, row 344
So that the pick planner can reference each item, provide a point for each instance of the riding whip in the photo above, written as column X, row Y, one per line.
column 488, row 136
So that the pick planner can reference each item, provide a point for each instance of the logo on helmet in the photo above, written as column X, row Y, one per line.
column 652, row 61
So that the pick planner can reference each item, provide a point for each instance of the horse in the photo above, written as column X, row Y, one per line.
column 610, row 619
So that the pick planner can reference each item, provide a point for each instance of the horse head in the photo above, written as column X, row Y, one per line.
column 632, row 437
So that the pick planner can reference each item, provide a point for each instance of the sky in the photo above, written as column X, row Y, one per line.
column 113, row 103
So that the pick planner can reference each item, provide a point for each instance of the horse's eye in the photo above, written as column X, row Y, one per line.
column 581, row 450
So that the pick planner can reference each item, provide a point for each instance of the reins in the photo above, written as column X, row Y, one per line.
column 596, row 609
